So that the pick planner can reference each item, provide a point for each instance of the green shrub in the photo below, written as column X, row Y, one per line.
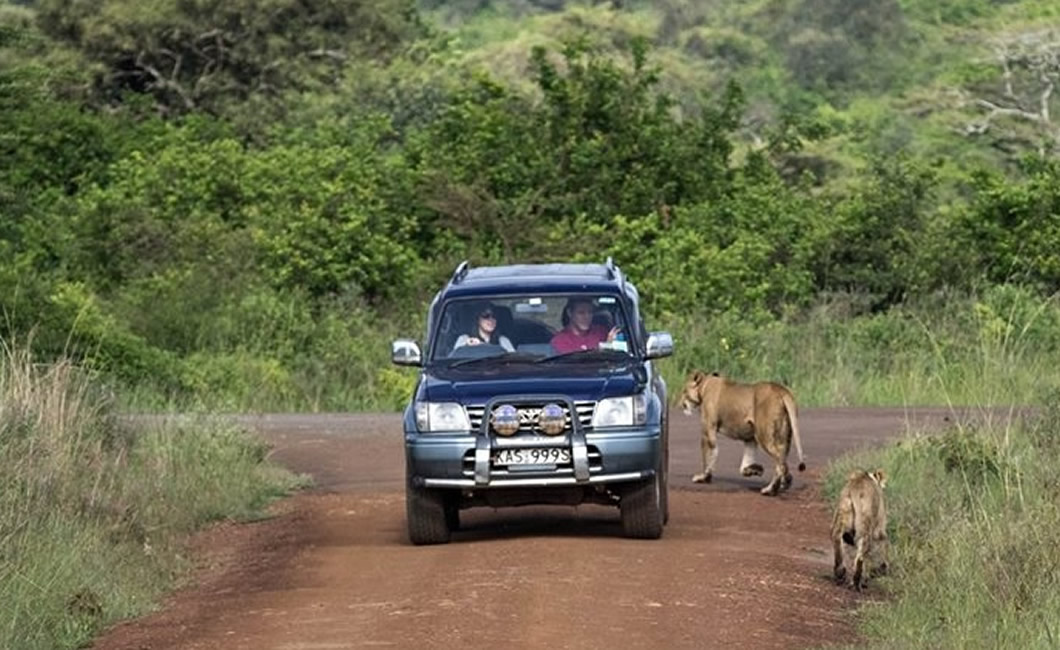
column 1011, row 229
column 967, row 454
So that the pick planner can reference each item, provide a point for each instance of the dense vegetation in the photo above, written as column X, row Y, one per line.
column 238, row 204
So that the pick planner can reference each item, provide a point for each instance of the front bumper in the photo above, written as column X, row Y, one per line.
column 463, row 460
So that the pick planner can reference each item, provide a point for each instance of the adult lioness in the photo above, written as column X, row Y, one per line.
column 861, row 521
column 761, row 415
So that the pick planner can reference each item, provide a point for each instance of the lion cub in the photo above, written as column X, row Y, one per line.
column 861, row 521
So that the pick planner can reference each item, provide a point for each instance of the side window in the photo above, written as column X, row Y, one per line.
column 447, row 333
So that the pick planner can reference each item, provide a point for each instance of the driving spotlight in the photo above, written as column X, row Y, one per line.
column 552, row 420
column 505, row 420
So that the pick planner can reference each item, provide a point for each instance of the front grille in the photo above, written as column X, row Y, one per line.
column 584, row 409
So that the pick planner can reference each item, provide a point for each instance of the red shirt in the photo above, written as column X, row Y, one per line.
column 567, row 341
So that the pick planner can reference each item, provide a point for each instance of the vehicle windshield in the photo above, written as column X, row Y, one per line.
column 540, row 328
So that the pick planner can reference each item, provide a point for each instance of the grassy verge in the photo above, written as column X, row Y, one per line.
column 999, row 347
column 974, row 517
column 92, row 514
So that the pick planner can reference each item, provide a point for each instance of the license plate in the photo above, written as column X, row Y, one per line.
column 532, row 456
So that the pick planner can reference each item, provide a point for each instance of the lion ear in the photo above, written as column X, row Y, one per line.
column 698, row 376
column 881, row 477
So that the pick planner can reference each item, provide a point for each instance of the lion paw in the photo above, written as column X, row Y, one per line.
column 702, row 478
column 753, row 469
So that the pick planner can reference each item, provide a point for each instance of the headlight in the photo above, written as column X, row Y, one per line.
column 437, row 417
column 621, row 411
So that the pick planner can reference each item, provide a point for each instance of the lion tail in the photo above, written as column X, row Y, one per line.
column 789, row 404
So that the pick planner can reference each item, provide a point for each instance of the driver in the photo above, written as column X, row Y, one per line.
column 580, row 333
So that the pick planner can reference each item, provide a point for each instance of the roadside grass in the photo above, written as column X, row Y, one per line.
column 92, row 514
column 974, row 520
column 993, row 348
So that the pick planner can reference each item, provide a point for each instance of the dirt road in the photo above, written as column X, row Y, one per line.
column 333, row 568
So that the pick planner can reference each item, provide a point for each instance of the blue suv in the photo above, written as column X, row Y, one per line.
column 537, row 386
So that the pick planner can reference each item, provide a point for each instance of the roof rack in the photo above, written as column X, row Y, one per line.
column 459, row 273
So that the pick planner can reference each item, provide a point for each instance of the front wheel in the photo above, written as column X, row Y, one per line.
column 666, row 469
column 642, row 508
column 427, row 515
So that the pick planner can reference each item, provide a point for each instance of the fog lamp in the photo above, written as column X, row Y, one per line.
column 552, row 420
column 505, row 420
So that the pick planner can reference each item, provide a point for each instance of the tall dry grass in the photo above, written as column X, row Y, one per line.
column 92, row 511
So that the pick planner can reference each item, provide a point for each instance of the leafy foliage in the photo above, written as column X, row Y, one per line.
column 247, row 223
column 1015, row 227
column 210, row 54
column 495, row 164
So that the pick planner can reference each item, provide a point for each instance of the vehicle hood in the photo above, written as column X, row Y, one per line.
column 576, row 383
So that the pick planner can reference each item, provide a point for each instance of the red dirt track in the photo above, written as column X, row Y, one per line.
column 333, row 568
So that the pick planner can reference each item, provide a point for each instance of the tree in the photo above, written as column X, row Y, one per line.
column 832, row 44
column 1020, row 107
column 1009, row 233
column 600, row 141
column 204, row 54
column 873, row 240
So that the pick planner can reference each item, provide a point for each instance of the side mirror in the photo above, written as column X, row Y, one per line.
column 406, row 352
column 660, row 344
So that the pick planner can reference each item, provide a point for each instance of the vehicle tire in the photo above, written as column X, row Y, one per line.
column 641, row 509
column 452, row 512
column 664, row 497
column 665, row 491
column 426, row 515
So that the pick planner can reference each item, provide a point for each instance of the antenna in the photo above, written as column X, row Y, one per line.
column 459, row 273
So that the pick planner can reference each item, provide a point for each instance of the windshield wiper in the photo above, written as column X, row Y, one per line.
column 581, row 354
column 507, row 356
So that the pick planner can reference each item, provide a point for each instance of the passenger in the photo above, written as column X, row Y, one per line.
column 579, row 332
column 485, row 331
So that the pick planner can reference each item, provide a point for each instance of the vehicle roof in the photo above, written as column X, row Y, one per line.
column 548, row 278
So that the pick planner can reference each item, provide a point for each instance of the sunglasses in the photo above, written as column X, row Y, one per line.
column 486, row 314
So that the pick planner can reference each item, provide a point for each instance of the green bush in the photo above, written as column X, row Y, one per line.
column 1011, row 229
column 746, row 251
column 872, row 243
column 313, row 218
